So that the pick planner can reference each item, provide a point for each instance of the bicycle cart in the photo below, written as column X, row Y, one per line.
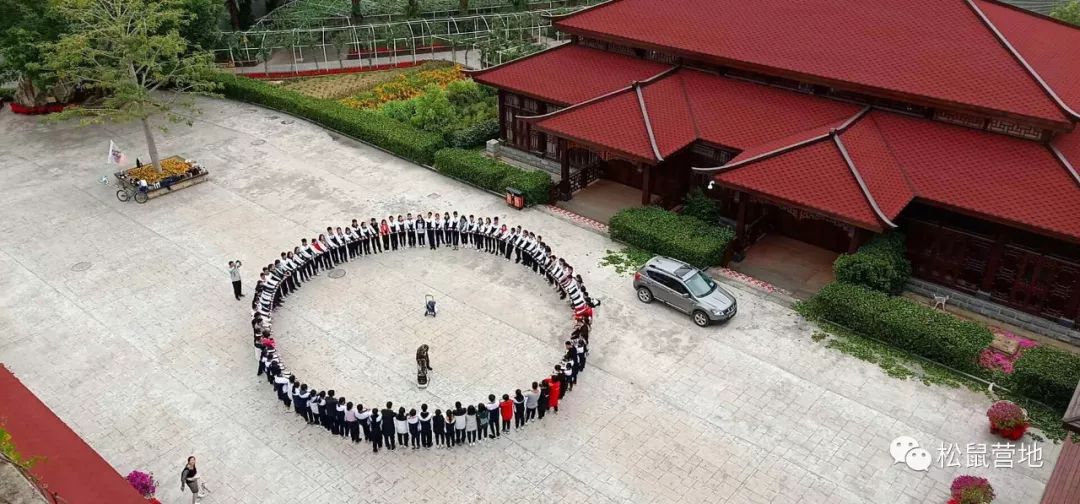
column 129, row 191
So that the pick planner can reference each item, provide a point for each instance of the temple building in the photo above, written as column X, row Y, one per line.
column 829, row 121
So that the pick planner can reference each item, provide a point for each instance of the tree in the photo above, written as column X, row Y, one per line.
column 202, row 29
column 25, row 28
column 1068, row 12
column 124, row 52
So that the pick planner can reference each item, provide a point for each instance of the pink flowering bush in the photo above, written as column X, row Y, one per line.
column 971, row 490
column 1007, row 419
column 996, row 361
column 143, row 483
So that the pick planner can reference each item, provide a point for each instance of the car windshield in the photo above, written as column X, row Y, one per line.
column 700, row 285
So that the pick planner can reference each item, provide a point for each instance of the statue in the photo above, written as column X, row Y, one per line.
column 423, row 365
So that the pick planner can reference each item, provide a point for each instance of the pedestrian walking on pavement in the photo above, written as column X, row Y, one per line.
column 189, row 477
column 234, row 275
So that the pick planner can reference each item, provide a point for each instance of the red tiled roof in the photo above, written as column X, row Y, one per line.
column 936, row 50
column 569, row 73
column 1006, row 178
column 1051, row 47
column 900, row 158
column 813, row 176
column 689, row 105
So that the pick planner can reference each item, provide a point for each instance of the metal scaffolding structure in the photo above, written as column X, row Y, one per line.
column 306, row 14
column 496, row 36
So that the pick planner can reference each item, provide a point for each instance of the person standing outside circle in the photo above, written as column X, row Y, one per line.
column 190, row 477
column 234, row 275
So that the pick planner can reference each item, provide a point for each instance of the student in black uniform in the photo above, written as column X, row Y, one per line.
column 376, row 243
column 425, row 426
column 387, row 426
column 375, row 427
column 421, row 229
column 339, row 417
column 430, row 224
column 519, row 409
column 352, row 426
column 414, row 428
column 450, row 435
column 455, row 231
column 410, row 230
column 393, row 233
column 401, row 231
column 438, row 427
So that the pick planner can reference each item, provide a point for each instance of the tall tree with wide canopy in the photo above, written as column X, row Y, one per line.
column 1068, row 11
column 126, row 53
column 25, row 28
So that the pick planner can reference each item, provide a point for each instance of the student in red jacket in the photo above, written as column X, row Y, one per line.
column 506, row 408
column 553, row 397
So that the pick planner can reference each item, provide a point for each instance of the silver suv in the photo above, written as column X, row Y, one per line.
column 686, row 289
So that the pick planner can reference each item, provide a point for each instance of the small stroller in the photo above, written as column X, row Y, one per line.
column 429, row 306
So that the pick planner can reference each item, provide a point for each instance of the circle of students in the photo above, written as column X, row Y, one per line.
column 388, row 428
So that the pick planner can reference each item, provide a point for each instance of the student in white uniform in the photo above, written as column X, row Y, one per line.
column 410, row 230
column 394, row 233
column 401, row 427
column 421, row 230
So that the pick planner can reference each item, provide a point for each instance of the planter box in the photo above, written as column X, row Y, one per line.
column 166, row 185
column 43, row 109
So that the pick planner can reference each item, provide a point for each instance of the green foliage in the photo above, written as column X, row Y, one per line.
column 124, row 51
column 366, row 125
column 7, row 94
column 534, row 185
column 698, row 205
column 1046, row 374
column 1068, row 11
column 493, row 175
column 201, row 26
column 473, row 168
column 476, row 135
column 401, row 110
column 433, row 112
column 679, row 236
column 903, row 323
column 7, row 448
column 626, row 261
column 26, row 27
column 880, row 264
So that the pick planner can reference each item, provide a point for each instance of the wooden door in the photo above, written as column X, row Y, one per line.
column 1036, row 283
column 623, row 172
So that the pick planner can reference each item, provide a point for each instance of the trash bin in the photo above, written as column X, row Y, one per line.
column 515, row 198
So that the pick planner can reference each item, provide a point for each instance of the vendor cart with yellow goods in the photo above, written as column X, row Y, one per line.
column 145, row 182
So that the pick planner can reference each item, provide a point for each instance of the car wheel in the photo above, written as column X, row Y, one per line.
column 644, row 295
column 700, row 318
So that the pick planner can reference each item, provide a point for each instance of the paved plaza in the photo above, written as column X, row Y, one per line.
column 148, row 357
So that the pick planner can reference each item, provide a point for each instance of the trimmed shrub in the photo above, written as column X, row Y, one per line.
column 698, row 205
column 905, row 324
column 535, row 185
column 473, row 168
column 1046, row 374
column 366, row 125
column 667, row 233
column 8, row 94
column 476, row 135
column 487, row 173
column 880, row 264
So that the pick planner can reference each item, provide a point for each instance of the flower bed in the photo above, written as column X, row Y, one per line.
column 51, row 108
column 364, row 125
column 971, row 490
column 405, row 86
column 1007, row 420
column 993, row 359
column 143, row 483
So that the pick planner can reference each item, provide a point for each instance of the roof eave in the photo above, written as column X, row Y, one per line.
column 877, row 228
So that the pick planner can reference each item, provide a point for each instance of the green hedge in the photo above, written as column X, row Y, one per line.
column 8, row 94
column 476, row 135
column 666, row 233
column 880, row 264
column 905, row 324
column 1046, row 374
column 369, row 126
column 487, row 173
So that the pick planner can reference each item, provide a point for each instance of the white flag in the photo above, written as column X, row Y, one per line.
column 115, row 156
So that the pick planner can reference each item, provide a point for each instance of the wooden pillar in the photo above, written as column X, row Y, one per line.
column 502, row 115
column 564, row 161
column 993, row 263
column 740, row 221
column 854, row 234
column 646, row 184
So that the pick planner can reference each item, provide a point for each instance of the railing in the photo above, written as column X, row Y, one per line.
column 585, row 176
